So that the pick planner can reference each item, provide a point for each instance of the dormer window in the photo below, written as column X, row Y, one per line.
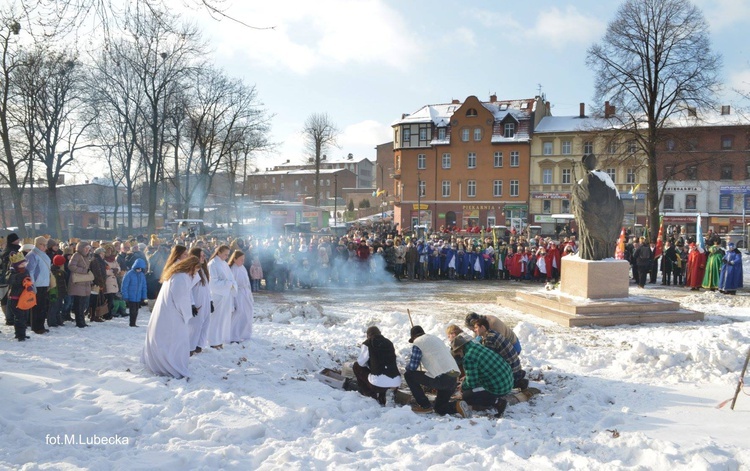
column 471, row 112
column 441, row 134
column 509, row 130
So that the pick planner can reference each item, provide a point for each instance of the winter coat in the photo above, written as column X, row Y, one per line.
column 134, row 283
column 111, row 284
column 78, row 264
column 99, row 269
column 731, row 271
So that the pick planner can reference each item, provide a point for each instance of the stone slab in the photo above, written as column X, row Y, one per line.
column 573, row 312
column 600, row 279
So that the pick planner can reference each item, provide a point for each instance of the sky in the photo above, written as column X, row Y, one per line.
column 365, row 62
column 636, row 397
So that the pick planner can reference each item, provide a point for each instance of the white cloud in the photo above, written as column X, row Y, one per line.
column 308, row 34
column 463, row 36
column 552, row 26
column 365, row 135
column 721, row 13
column 740, row 81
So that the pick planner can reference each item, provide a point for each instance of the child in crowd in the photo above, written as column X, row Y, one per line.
column 16, row 284
column 58, row 293
column 256, row 274
column 134, row 288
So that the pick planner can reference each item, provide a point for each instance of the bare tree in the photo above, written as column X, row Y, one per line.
column 320, row 133
column 10, row 53
column 654, row 61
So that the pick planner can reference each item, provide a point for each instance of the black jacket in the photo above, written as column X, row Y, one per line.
column 382, row 357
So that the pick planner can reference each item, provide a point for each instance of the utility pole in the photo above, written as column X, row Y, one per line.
column 335, row 199
column 419, row 200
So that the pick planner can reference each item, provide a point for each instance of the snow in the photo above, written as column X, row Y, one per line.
column 636, row 397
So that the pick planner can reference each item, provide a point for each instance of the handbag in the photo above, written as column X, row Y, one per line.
column 83, row 278
column 102, row 307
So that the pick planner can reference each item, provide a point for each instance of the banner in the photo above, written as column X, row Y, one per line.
column 700, row 240
column 620, row 251
column 659, row 238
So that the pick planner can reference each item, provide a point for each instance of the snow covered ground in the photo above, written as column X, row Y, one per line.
column 633, row 397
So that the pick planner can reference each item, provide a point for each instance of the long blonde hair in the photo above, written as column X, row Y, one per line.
column 175, row 255
column 219, row 250
column 188, row 265
column 235, row 255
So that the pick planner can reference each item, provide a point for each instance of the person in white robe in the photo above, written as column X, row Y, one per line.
column 223, row 289
column 202, row 300
column 167, row 347
column 242, row 316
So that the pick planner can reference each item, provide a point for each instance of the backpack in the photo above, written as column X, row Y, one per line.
column 4, row 270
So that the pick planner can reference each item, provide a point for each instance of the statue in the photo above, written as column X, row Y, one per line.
column 599, row 211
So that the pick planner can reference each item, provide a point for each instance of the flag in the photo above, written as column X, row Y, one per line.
column 380, row 192
column 620, row 251
column 659, row 241
column 701, row 242
column 634, row 191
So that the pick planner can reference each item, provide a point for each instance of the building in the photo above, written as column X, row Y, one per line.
column 469, row 160
column 298, row 184
column 362, row 167
column 557, row 149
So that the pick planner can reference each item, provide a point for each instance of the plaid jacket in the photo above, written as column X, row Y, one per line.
column 485, row 368
column 500, row 345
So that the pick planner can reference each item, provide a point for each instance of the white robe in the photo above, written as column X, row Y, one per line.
column 199, row 324
column 167, row 347
column 242, row 317
column 223, row 287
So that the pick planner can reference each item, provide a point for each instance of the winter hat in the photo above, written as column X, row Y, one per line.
column 51, row 243
column 416, row 331
column 730, row 245
column 81, row 245
column 58, row 260
column 27, row 247
column 40, row 240
column 12, row 238
column 17, row 259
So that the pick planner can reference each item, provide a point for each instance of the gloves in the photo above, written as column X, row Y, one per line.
column 212, row 307
column 195, row 310
column 144, row 303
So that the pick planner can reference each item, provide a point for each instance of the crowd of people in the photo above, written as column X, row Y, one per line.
column 473, row 373
column 79, row 281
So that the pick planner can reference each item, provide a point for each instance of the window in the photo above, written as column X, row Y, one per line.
column 490, row 221
column 421, row 161
column 588, row 147
column 477, row 134
column 612, row 147
column 692, row 144
column 423, row 134
column 669, row 171
column 547, row 176
column 726, row 172
column 566, row 172
column 747, row 202
column 726, row 202
column 296, row 183
column 407, row 135
column 509, row 130
column 547, row 148
column 566, row 147
column 514, row 159
column 565, row 206
column 465, row 135
column 726, row 142
column 670, row 145
column 668, row 201
column 514, row 188
column 471, row 188
column 692, row 172
column 422, row 187
column 441, row 134
column 690, row 201
column 632, row 146
column 471, row 112
column 630, row 176
column 282, row 186
column 612, row 174
column 498, row 158
column 472, row 160
column 547, row 206
column 446, row 188
column 497, row 188
column 273, row 180
column 447, row 160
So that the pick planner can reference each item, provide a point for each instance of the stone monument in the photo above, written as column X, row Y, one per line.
column 594, row 287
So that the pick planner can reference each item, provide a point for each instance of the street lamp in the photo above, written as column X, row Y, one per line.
column 335, row 199
column 419, row 200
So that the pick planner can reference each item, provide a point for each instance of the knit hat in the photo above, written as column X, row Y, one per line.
column 58, row 260
column 27, row 247
column 51, row 243
column 17, row 259
column 12, row 238
column 416, row 331
column 40, row 240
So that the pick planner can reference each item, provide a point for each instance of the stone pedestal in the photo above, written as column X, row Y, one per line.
column 596, row 293
column 594, row 279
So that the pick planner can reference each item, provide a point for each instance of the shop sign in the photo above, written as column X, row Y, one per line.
column 308, row 214
column 478, row 207
column 423, row 206
column 544, row 219
column 550, row 196
column 734, row 189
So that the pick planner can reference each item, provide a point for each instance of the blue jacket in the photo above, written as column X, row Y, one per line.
column 38, row 266
column 134, row 283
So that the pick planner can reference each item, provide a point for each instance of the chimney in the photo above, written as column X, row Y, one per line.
column 725, row 109
column 609, row 110
column 350, row 156
column 582, row 110
column 455, row 102
column 493, row 98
